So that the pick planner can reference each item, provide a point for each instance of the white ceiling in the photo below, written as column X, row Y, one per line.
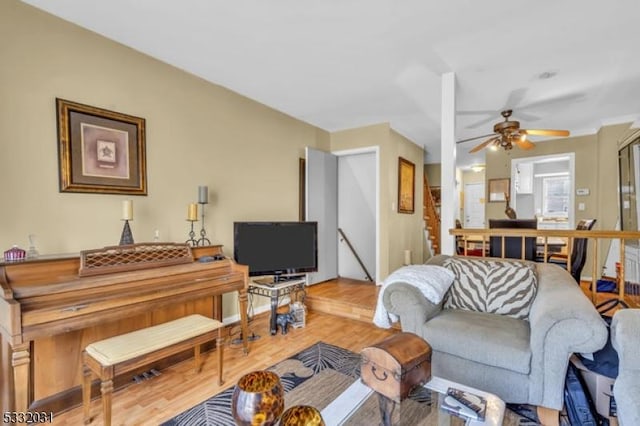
column 340, row 64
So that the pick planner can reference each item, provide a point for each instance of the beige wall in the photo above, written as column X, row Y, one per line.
column 585, row 149
column 596, row 168
column 433, row 173
column 406, row 230
column 398, row 232
column 197, row 134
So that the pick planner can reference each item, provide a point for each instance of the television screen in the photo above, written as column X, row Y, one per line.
column 276, row 248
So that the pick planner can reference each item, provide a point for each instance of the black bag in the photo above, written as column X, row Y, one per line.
column 580, row 408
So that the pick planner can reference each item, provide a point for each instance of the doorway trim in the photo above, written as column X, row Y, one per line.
column 367, row 150
column 543, row 158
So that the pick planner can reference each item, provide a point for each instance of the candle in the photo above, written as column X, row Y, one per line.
column 192, row 213
column 203, row 194
column 407, row 257
column 127, row 210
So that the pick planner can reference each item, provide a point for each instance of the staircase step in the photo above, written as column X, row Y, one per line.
column 340, row 308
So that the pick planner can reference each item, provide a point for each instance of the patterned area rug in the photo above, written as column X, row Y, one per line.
column 316, row 376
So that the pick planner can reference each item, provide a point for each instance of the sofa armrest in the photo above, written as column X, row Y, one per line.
column 561, row 304
column 626, row 341
column 625, row 338
column 408, row 303
column 563, row 321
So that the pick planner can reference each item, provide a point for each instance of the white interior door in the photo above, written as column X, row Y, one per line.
column 474, row 198
column 322, row 206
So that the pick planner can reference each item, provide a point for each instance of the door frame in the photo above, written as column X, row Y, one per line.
column 548, row 157
column 376, row 151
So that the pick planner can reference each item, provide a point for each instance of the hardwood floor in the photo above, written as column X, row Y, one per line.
column 178, row 388
column 340, row 313
column 344, row 297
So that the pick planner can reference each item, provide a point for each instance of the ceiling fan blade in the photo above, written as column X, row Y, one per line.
column 545, row 132
column 527, row 116
column 477, row 112
column 562, row 99
column 476, row 137
column 523, row 143
column 484, row 144
column 515, row 97
column 481, row 122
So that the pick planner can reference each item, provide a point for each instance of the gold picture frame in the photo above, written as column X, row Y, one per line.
column 406, row 185
column 100, row 151
column 498, row 188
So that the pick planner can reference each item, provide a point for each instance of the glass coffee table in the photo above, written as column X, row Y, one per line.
column 359, row 403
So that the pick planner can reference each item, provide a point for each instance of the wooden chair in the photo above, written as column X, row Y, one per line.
column 578, row 251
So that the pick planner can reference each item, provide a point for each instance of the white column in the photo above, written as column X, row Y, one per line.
column 448, row 163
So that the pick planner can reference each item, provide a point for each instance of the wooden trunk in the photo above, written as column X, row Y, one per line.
column 396, row 365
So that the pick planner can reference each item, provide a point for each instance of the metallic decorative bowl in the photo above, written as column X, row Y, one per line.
column 301, row 415
column 258, row 399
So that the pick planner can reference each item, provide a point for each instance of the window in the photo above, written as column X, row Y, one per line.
column 555, row 196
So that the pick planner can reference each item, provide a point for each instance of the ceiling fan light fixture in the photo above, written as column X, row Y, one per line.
column 508, row 133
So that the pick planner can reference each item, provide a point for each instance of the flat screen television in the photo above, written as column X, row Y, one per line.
column 281, row 249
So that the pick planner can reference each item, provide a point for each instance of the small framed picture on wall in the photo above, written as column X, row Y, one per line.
column 406, row 183
column 498, row 190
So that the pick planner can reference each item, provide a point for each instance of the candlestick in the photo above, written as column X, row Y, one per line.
column 126, row 237
column 192, row 213
column 203, row 194
column 127, row 210
column 407, row 257
column 192, row 235
column 127, row 215
column 203, row 240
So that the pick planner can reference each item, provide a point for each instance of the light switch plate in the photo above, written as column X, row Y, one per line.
column 582, row 191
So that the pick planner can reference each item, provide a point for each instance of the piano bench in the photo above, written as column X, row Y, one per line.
column 119, row 354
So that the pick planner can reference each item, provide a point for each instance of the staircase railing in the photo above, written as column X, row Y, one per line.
column 431, row 217
column 353, row 250
column 627, row 293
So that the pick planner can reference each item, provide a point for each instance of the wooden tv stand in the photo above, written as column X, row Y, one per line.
column 274, row 290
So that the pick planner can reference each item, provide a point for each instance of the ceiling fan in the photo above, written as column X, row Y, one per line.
column 508, row 133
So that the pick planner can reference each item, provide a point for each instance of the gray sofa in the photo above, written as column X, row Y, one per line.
column 521, row 361
column 625, row 337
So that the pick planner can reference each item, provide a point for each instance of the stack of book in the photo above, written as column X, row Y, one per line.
column 464, row 404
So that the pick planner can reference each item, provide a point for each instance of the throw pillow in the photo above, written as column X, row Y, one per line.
column 505, row 287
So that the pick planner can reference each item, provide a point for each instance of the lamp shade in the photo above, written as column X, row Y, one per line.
column 258, row 399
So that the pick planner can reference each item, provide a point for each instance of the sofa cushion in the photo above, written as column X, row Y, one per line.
column 489, row 339
column 499, row 286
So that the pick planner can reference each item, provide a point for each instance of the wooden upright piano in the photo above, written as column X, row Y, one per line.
column 51, row 308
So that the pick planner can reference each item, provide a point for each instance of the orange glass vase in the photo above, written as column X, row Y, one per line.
column 302, row 415
column 258, row 399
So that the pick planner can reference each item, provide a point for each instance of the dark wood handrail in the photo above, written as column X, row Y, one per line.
column 353, row 250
